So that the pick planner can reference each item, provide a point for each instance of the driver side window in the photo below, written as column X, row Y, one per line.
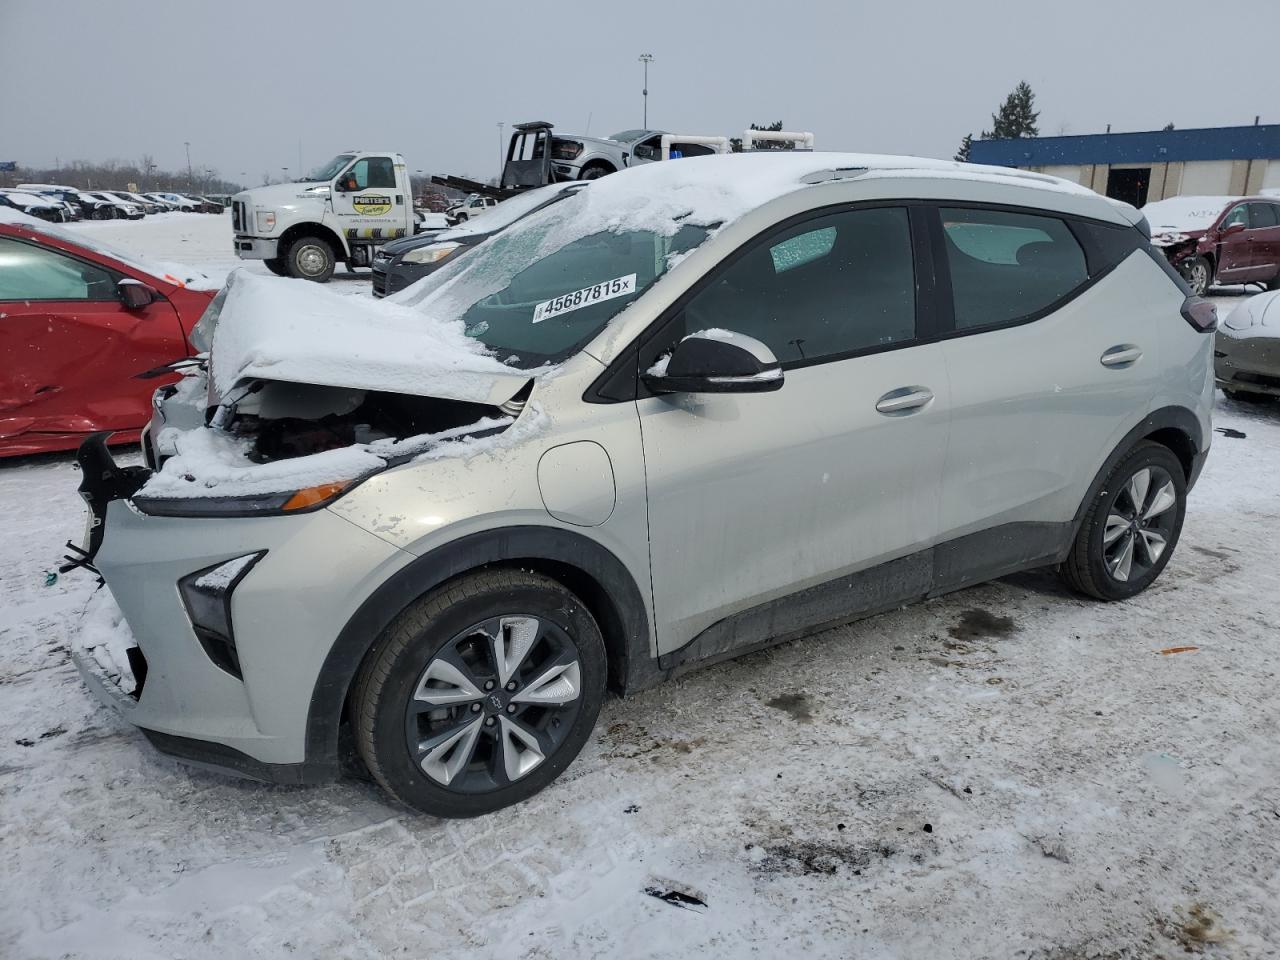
column 28, row 272
column 372, row 172
column 1239, row 215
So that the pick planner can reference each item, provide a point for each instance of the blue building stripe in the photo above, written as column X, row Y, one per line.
column 1154, row 146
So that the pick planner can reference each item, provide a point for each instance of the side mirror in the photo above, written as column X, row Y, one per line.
column 644, row 152
column 716, row 361
column 1231, row 228
column 135, row 295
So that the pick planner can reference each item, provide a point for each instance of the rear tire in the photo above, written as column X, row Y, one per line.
column 1274, row 282
column 1199, row 274
column 480, row 693
column 1131, row 528
column 276, row 266
column 310, row 258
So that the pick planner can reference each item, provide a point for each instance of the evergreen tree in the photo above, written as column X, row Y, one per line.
column 1168, row 126
column 963, row 153
column 1017, row 116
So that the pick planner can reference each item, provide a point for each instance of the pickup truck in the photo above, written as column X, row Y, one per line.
column 348, row 208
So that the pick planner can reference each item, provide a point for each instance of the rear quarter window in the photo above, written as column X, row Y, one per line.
column 1006, row 267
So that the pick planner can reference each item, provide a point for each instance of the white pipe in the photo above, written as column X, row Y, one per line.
column 802, row 140
column 721, row 144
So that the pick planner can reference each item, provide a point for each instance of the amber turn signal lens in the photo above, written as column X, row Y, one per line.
column 310, row 496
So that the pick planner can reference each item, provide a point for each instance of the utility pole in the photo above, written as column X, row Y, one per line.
column 502, row 153
column 191, row 180
column 646, row 59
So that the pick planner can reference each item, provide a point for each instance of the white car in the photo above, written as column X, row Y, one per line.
column 1246, row 355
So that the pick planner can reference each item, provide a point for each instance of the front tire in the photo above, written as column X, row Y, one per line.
column 480, row 693
column 277, row 266
column 1199, row 274
column 595, row 172
column 310, row 258
column 1131, row 528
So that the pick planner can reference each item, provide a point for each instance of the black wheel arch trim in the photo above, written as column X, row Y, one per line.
column 1178, row 419
column 617, row 600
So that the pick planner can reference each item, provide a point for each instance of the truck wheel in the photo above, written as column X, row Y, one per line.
column 595, row 171
column 310, row 258
column 276, row 266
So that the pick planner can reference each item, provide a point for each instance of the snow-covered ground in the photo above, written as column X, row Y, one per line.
column 1011, row 771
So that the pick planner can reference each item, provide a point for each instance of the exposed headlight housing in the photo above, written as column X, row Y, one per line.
column 565, row 149
column 432, row 253
column 266, row 221
column 303, row 500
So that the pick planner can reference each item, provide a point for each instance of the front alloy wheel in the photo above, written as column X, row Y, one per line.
column 1199, row 276
column 479, row 693
column 494, row 703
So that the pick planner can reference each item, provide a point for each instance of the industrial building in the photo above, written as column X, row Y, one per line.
column 1144, row 167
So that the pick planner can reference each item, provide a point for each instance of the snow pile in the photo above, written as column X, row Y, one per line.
column 1259, row 316
column 300, row 332
column 178, row 274
column 212, row 463
column 104, row 636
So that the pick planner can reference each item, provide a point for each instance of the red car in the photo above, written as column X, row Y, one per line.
column 78, row 322
column 1219, row 239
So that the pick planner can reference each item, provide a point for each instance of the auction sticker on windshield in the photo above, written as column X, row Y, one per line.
column 597, row 293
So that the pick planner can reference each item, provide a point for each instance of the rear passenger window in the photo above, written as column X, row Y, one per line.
column 833, row 285
column 1008, row 266
column 1262, row 215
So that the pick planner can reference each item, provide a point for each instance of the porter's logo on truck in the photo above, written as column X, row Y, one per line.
column 371, row 204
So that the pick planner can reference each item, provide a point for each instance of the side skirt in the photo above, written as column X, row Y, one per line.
column 972, row 559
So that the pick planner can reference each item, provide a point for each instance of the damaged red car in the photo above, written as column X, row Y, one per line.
column 78, row 323
column 1224, row 240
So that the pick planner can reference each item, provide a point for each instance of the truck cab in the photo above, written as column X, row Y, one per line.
column 348, row 208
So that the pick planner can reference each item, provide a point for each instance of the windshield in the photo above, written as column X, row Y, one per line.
column 330, row 169
column 626, row 136
column 541, row 290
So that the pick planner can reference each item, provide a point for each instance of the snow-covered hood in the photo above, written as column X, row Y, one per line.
column 285, row 196
column 298, row 332
column 1259, row 316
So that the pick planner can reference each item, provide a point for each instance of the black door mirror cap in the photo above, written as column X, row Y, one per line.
column 716, row 361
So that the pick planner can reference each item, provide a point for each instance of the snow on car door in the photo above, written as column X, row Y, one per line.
column 368, row 202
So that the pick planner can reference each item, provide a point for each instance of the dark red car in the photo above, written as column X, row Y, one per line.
column 78, row 322
column 1219, row 239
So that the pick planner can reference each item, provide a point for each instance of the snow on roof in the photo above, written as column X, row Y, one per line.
column 300, row 332
column 178, row 274
column 29, row 199
column 1185, row 213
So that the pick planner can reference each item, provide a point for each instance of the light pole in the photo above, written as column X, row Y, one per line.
column 646, row 59
column 190, row 178
column 151, row 179
column 285, row 171
column 502, row 153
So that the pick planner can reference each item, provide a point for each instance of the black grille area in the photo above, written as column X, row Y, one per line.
column 239, row 222
column 1262, row 379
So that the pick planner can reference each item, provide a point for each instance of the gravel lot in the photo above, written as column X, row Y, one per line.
column 1011, row 771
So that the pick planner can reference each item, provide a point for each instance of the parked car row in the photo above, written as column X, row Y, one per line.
column 59, row 203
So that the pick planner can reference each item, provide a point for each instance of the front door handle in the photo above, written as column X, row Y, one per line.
column 904, row 400
column 1119, row 357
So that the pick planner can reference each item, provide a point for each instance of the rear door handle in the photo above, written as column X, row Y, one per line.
column 1119, row 357
column 904, row 400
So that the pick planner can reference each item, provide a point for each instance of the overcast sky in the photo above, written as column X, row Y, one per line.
column 244, row 82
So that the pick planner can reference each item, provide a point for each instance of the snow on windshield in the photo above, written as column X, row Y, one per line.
column 1184, row 213
column 176, row 273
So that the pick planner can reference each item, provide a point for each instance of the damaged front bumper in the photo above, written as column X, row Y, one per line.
column 246, row 715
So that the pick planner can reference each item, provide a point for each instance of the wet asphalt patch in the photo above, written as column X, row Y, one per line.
column 979, row 624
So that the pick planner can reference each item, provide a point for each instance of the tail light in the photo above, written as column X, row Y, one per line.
column 1201, row 314
column 565, row 150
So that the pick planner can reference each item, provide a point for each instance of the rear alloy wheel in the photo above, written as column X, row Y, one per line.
column 496, row 711
column 310, row 258
column 1132, row 527
column 1199, row 274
